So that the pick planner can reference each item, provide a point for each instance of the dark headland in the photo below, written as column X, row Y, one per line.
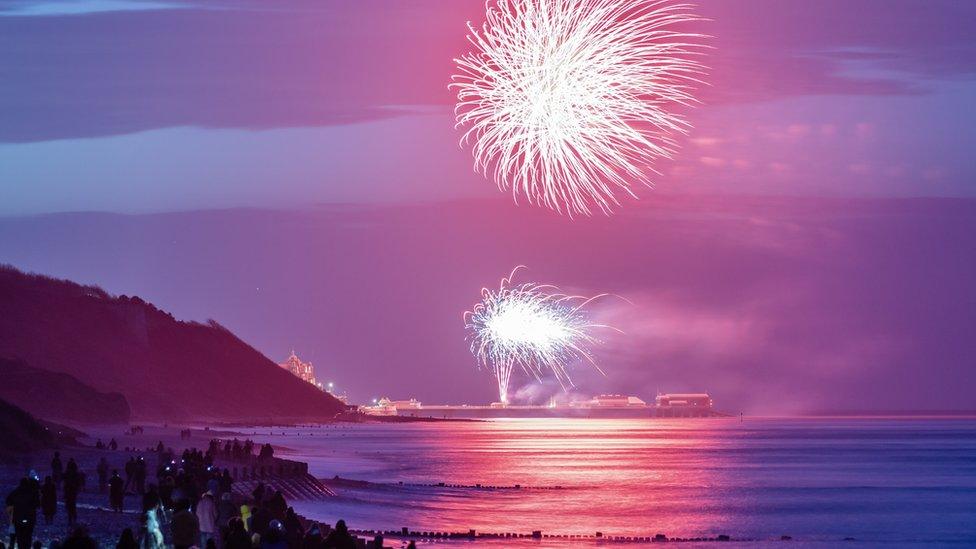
column 82, row 341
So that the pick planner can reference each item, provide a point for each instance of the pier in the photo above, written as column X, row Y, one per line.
column 674, row 405
column 519, row 411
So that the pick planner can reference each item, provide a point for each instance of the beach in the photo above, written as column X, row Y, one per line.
column 93, row 505
column 94, row 511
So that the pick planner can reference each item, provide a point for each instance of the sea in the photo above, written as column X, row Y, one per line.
column 819, row 481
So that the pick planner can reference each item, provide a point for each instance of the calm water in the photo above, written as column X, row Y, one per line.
column 877, row 480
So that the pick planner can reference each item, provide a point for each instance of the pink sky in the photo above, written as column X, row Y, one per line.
column 294, row 173
column 772, row 304
column 214, row 103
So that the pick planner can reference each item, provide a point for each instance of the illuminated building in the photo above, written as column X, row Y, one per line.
column 616, row 401
column 412, row 404
column 302, row 370
column 382, row 407
column 684, row 400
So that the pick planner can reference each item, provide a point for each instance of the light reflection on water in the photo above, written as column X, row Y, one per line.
column 824, row 479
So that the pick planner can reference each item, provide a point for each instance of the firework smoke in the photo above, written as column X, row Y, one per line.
column 569, row 102
column 532, row 327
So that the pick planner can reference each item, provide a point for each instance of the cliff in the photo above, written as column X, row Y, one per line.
column 167, row 369
column 23, row 433
column 59, row 397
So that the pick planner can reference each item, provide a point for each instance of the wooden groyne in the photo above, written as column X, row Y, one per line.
column 353, row 483
column 472, row 535
column 290, row 477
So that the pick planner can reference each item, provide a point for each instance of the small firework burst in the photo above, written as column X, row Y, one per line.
column 532, row 327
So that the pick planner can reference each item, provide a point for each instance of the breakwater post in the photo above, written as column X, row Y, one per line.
column 290, row 477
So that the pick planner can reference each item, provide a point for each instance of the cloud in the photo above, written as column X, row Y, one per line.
column 30, row 8
column 772, row 304
column 772, row 49
column 117, row 72
column 712, row 161
column 706, row 141
column 250, row 65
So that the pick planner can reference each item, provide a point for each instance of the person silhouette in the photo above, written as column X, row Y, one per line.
column 49, row 499
column 23, row 502
column 116, row 492
column 340, row 538
column 72, row 485
column 102, row 469
column 152, row 535
column 127, row 540
column 237, row 537
column 79, row 539
column 57, row 469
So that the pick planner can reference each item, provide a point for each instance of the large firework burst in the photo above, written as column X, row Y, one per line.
column 533, row 327
column 569, row 102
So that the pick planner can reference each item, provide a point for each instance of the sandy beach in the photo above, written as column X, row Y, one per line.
column 93, row 506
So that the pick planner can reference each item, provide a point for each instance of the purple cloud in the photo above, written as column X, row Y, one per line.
column 773, row 304
column 245, row 65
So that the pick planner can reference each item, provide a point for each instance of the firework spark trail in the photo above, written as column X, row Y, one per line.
column 570, row 102
column 532, row 327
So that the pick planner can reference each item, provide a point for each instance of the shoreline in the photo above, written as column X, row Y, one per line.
column 106, row 526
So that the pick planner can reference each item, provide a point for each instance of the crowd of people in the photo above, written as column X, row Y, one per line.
column 235, row 450
column 191, row 499
column 31, row 494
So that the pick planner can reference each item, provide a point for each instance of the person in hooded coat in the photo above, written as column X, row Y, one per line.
column 207, row 517
column 226, row 510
